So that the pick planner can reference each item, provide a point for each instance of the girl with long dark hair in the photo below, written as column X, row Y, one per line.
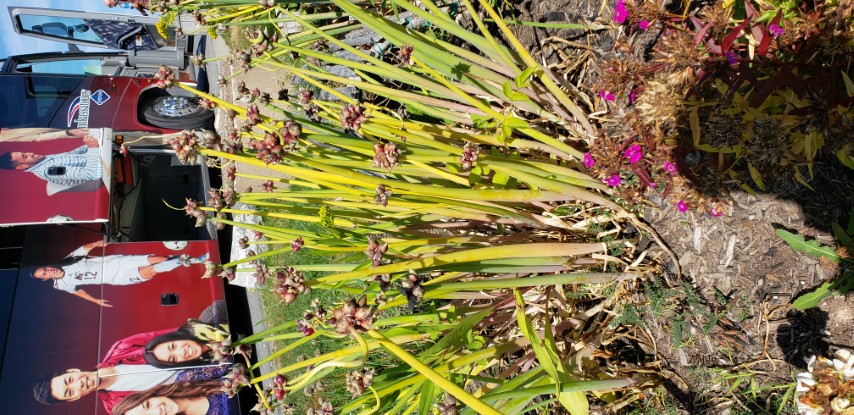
column 184, row 398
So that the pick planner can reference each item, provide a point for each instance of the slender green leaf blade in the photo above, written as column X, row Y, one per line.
column 811, row 247
column 811, row 299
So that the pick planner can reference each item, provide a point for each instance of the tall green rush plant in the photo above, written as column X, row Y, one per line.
column 475, row 214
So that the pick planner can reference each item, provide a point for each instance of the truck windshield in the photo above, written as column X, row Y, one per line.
column 33, row 101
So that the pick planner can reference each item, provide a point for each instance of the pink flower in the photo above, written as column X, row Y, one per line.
column 607, row 95
column 682, row 206
column 715, row 212
column 588, row 161
column 297, row 244
column 775, row 30
column 643, row 24
column 669, row 167
column 731, row 57
column 633, row 153
column 613, row 181
column 620, row 12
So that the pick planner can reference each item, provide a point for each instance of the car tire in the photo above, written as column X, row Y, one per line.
column 176, row 112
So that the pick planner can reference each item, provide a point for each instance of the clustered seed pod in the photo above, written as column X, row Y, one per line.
column 165, row 77
column 198, row 60
column 263, row 98
column 267, row 3
column 260, row 407
column 242, row 93
column 410, row 286
column 268, row 186
column 279, row 392
column 317, row 311
column 227, row 273
column 221, row 81
column 291, row 132
column 215, row 199
column 314, row 388
column 199, row 18
column 229, row 173
column 290, row 283
column 222, row 351
column 236, row 379
column 305, row 96
column 211, row 269
column 261, row 271
column 253, row 117
column 448, row 406
column 382, row 195
column 469, row 156
column 404, row 55
column 375, row 251
column 359, row 380
column 231, row 143
column 385, row 155
column 384, row 280
column 297, row 244
column 207, row 104
column 352, row 117
column 353, row 314
column 192, row 210
column 219, row 200
column 380, row 299
column 305, row 328
column 186, row 146
column 268, row 149
column 243, row 58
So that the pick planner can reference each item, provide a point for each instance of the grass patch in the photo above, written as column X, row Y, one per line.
column 277, row 312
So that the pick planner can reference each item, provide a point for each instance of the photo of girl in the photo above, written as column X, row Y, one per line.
column 186, row 346
column 187, row 398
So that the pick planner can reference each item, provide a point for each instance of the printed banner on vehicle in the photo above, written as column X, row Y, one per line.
column 54, row 175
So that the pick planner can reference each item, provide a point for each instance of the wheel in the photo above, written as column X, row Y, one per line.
column 176, row 113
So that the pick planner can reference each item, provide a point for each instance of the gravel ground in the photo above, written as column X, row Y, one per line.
column 265, row 82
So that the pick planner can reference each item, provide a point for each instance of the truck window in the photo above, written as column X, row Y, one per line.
column 60, row 27
column 33, row 101
column 91, row 66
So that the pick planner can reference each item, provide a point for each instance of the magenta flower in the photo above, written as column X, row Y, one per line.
column 715, row 212
column 682, row 206
column 613, row 181
column 670, row 167
column 620, row 12
column 633, row 153
column 588, row 161
column 632, row 96
column 607, row 95
column 643, row 24
column 775, row 30
column 731, row 57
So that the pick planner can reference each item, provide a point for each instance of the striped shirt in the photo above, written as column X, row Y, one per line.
column 81, row 165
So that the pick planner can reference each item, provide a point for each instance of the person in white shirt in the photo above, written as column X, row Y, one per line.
column 79, row 269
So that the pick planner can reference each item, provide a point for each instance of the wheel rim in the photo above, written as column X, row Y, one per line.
column 175, row 107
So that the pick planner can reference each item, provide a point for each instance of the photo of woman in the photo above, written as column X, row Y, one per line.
column 186, row 398
column 157, row 348
column 186, row 346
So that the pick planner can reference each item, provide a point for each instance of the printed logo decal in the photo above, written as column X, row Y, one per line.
column 100, row 97
column 72, row 109
column 80, row 107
